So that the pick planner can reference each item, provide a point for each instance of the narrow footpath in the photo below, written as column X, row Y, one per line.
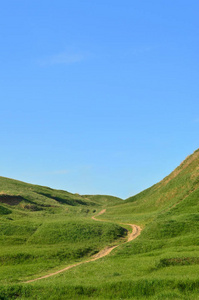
column 136, row 230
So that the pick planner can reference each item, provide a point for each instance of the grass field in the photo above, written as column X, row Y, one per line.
column 44, row 230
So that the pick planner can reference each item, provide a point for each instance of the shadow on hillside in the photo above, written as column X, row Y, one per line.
column 11, row 200
column 72, row 202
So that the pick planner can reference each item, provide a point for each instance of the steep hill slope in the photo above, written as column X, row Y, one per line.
column 163, row 262
column 178, row 190
column 168, row 212
column 172, row 189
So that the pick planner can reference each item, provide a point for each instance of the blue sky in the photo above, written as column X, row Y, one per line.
column 98, row 97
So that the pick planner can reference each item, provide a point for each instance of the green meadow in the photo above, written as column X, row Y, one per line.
column 45, row 230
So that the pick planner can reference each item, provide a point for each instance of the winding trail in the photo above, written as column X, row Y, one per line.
column 136, row 230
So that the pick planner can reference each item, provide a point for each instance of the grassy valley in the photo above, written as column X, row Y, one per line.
column 44, row 230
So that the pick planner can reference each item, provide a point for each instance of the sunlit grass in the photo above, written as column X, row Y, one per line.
column 47, row 230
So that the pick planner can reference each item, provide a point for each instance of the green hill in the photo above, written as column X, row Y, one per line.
column 44, row 229
column 168, row 248
column 19, row 195
column 177, row 190
column 22, row 195
column 104, row 200
column 172, row 189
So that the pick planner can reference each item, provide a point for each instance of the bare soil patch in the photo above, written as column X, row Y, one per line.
column 11, row 200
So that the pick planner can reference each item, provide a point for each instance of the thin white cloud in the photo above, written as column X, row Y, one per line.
column 64, row 58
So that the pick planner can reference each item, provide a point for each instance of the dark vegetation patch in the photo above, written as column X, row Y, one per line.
column 16, row 229
column 183, row 261
column 4, row 210
column 22, row 202
column 68, row 201
column 118, row 290
column 32, row 207
column 10, row 199
column 17, row 258
column 55, row 255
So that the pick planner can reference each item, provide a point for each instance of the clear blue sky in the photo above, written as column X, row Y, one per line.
column 98, row 97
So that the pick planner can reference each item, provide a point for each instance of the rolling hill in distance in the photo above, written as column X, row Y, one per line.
column 45, row 230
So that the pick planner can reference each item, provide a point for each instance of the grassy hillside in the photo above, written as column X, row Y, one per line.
column 34, row 197
column 166, row 255
column 44, row 229
column 162, row 263
column 164, row 196
column 103, row 200
column 172, row 189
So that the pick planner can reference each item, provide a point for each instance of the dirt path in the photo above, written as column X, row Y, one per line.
column 100, row 213
column 136, row 230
